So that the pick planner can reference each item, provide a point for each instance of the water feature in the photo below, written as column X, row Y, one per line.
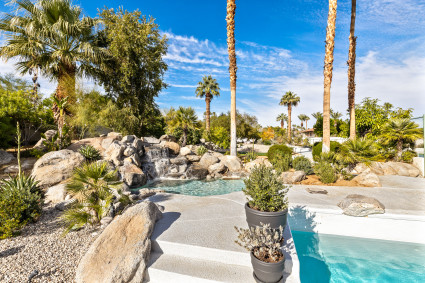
column 155, row 162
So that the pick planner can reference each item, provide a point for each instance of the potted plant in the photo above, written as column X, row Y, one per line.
column 267, row 258
column 267, row 200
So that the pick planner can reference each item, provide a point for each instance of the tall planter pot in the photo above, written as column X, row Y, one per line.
column 275, row 219
column 266, row 272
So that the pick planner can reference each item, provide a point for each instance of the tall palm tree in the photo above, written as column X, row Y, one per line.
column 400, row 131
column 208, row 88
column 186, row 119
column 289, row 99
column 51, row 36
column 352, row 72
column 327, row 73
column 335, row 116
column 282, row 118
column 230, row 19
column 306, row 118
column 303, row 118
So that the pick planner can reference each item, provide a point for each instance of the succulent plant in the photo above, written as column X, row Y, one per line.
column 90, row 153
column 201, row 150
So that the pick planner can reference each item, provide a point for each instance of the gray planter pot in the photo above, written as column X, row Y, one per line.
column 255, row 217
column 265, row 272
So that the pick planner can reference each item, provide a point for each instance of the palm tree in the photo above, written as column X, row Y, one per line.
column 208, row 88
column 317, row 115
column 306, row 118
column 335, row 116
column 282, row 118
column 51, row 36
column 352, row 72
column 327, row 73
column 400, row 131
column 186, row 119
column 289, row 99
column 230, row 19
column 303, row 118
column 354, row 151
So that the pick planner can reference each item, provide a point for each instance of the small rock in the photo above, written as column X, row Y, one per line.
column 168, row 138
column 65, row 204
column 317, row 191
column 178, row 160
column 128, row 139
column 193, row 158
column 257, row 162
column 106, row 220
column 151, row 140
column 196, row 171
column 292, row 177
column 208, row 159
column 132, row 175
column 55, row 194
column 173, row 147
column 359, row 206
column 129, row 151
column 233, row 163
column 185, row 151
column 217, row 168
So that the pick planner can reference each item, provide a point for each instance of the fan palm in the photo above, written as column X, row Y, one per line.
column 186, row 119
column 327, row 73
column 355, row 151
column 230, row 19
column 289, row 99
column 317, row 115
column 335, row 116
column 91, row 187
column 51, row 36
column 351, row 72
column 400, row 131
column 207, row 88
column 282, row 118
column 303, row 118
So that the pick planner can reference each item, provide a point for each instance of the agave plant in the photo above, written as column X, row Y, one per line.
column 92, row 187
column 89, row 152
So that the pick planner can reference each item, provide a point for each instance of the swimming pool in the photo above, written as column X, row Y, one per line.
column 198, row 187
column 330, row 258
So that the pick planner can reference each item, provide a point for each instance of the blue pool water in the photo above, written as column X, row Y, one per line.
column 329, row 258
column 197, row 187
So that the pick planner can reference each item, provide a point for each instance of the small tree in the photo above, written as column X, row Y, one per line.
column 207, row 88
column 186, row 119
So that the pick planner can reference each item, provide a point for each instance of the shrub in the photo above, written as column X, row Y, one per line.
column 251, row 155
column 20, row 202
column 352, row 152
column 325, row 171
column 201, row 150
column 302, row 163
column 265, row 191
column 407, row 156
column 89, row 152
column 91, row 186
column 267, row 142
column 278, row 150
column 317, row 149
column 283, row 163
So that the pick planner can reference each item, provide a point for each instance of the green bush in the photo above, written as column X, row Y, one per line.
column 89, row 152
column 250, row 155
column 407, row 156
column 20, row 202
column 317, row 149
column 302, row 163
column 267, row 142
column 201, row 150
column 265, row 191
column 283, row 163
column 326, row 172
column 278, row 150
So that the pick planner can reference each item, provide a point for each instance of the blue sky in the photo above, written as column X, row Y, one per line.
column 280, row 47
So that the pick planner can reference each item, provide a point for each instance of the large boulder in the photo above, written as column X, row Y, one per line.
column 26, row 165
column 389, row 168
column 196, row 171
column 367, row 179
column 95, row 142
column 217, row 168
column 121, row 253
column 55, row 194
column 292, row 177
column 128, row 139
column 49, row 135
column 114, row 153
column 178, row 160
column 168, row 138
column 233, row 163
column 173, row 147
column 257, row 162
column 110, row 138
column 132, row 175
column 359, row 205
column 6, row 157
column 404, row 169
column 56, row 166
column 185, row 151
column 208, row 159
column 418, row 162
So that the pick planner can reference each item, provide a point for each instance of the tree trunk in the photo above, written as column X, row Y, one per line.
column 65, row 88
column 289, row 122
column 399, row 149
column 184, row 136
column 230, row 19
column 281, row 124
column 207, row 112
column 302, row 125
column 329, row 58
column 352, row 72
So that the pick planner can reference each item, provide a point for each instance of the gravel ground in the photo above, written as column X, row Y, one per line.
column 42, row 247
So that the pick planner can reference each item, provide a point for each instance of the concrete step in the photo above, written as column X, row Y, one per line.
column 174, row 268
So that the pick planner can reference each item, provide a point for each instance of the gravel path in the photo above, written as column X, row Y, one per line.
column 42, row 247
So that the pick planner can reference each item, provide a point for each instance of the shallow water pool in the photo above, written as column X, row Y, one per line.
column 330, row 258
column 198, row 187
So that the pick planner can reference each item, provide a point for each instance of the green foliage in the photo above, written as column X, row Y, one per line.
column 267, row 142
column 265, row 191
column 407, row 156
column 90, row 153
column 317, row 149
column 20, row 202
column 91, row 186
column 277, row 151
column 201, row 150
column 220, row 136
column 302, row 163
column 318, row 127
column 325, row 171
column 246, row 125
column 208, row 88
column 250, row 156
column 282, row 163
column 352, row 152
column 56, row 143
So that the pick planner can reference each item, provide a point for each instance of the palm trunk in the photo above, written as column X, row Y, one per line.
column 230, row 19
column 281, row 124
column 399, row 149
column 65, row 88
column 351, row 72
column 184, row 136
column 329, row 58
column 302, row 125
column 207, row 112
column 289, row 122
